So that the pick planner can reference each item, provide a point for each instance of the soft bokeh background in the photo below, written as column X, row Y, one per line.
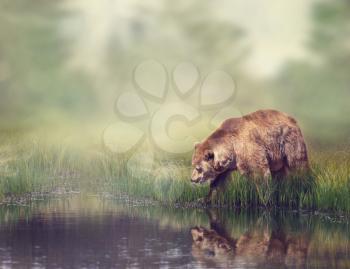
column 63, row 63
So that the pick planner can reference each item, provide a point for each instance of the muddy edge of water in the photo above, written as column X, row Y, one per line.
column 29, row 198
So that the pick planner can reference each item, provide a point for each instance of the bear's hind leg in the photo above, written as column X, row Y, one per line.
column 295, row 152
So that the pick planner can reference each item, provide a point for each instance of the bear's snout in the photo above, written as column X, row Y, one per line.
column 196, row 180
column 196, row 177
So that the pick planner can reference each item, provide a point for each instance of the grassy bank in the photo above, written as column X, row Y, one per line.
column 327, row 188
column 41, row 167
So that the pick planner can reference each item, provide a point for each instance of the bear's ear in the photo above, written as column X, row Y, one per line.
column 196, row 144
column 197, row 234
column 208, row 155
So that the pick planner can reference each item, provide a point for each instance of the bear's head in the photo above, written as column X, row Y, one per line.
column 208, row 240
column 212, row 157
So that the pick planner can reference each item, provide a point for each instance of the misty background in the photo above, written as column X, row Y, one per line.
column 63, row 63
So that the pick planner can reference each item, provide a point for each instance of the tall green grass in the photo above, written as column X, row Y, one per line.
column 45, row 167
column 326, row 188
column 36, row 167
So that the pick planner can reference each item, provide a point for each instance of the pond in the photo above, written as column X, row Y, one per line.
column 92, row 232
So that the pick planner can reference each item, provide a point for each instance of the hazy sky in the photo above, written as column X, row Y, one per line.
column 275, row 30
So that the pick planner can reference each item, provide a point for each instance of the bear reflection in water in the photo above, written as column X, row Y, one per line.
column 258, row 246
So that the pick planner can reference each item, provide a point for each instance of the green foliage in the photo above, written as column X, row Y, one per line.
column 41, row 42
column 35, row 84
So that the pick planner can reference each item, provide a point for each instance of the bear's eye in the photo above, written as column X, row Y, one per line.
column 209, row 156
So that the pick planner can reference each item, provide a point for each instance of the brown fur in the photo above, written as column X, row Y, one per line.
column 262, row 144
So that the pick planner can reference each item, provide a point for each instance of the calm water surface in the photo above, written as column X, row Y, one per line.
column 88, row 232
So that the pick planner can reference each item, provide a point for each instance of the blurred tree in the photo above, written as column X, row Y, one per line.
column 181, row 31
column 169, row 32
column 33, row 81
column 204, row 36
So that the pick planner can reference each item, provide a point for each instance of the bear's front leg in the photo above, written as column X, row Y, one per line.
column 216, row 186
column 254, row 166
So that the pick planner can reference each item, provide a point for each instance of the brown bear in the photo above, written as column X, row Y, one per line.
column 263, row 144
